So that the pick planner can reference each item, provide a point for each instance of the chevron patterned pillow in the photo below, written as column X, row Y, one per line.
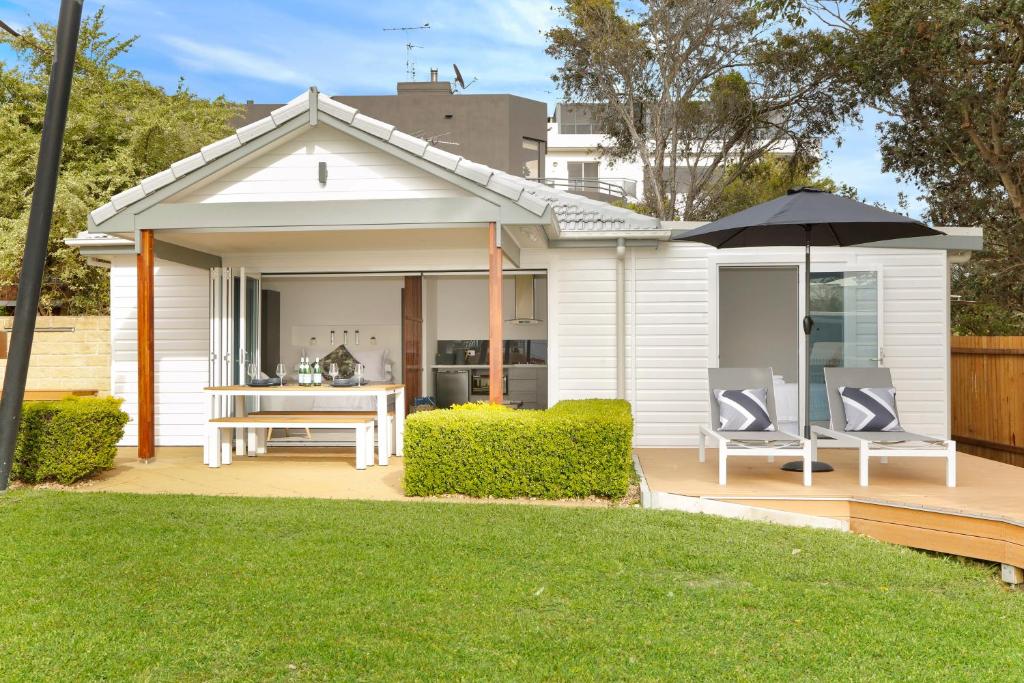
column 743, row 410
column 870, row 409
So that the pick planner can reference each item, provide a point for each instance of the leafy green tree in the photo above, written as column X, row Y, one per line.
column 120, row 129
column 950, row 76
column 768, row 178
column 696, row 91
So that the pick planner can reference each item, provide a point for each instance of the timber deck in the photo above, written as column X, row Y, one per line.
column 907, row 501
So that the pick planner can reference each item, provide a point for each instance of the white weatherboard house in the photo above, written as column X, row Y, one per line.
column 370, row 236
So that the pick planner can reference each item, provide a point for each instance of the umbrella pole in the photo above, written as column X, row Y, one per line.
column 808, row 325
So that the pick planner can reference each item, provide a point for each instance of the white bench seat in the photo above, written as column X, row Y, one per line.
column 221, row 428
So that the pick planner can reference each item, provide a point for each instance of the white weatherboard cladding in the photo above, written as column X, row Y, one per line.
column 288, row 171
column 673, row 343
column 581, row 298
column 182, row 349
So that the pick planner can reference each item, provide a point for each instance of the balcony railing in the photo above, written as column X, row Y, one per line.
column 608, row 189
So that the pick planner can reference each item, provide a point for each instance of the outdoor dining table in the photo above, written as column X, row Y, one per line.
column 379, row 392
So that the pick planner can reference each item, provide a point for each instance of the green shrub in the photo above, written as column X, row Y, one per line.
column 573, row 450
column 67, row 440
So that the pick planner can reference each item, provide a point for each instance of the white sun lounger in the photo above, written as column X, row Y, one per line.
column 750, row 444
column 882, row 445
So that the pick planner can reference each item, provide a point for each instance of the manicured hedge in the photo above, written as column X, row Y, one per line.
column 574, row 449
column 67, row 440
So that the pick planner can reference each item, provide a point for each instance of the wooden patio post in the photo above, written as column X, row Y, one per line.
column 495, row 315
column 144, row 284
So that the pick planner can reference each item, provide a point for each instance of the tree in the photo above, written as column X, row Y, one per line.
column 768, row 178
column 950, row 76
column 120, row 129
column 697, row 92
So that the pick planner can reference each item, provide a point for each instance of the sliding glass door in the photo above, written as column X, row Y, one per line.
column 847, row 328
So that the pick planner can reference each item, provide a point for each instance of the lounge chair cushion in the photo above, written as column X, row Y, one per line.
column 870, row 409
column 743, row 410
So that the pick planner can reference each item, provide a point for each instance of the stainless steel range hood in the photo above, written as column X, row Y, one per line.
column 526, row 301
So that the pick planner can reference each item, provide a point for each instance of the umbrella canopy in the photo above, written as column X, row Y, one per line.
column 829, row 220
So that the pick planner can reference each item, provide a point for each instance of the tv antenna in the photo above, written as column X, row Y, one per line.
column 410, row 64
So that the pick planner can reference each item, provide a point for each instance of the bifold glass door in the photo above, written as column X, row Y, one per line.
column 847, row 328
column 246, row 321
column 234, row 324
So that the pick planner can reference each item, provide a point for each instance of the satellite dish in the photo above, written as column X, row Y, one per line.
column 458, row 77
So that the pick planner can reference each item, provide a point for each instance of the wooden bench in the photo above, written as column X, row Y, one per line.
column 334, row 413
column 221, row 428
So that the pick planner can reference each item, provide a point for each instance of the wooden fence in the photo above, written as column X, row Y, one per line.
column 988, row 397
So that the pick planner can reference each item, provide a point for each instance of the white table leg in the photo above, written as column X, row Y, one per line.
column 400, row 422
column 361, row 448
column 261, row 440
column 210, row 449
column 240, row 432
column 368, row 445
column 252, row 448
column 225, row 446
column 383, row 447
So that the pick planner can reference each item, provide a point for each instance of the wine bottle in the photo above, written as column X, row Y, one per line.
column 318, row 377
column 303, row 378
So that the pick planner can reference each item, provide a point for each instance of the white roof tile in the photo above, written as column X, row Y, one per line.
column 187, row 165
column 290, row 110
column 373, row 126
column 574, row 214
column 255, row 129
column 155, row 182
column 102, row 213
column 337, row 109
column 442, row 158
column 476, row 172
column 503, row 186
column 408, row 142
column 220, row 148
column 129, row 196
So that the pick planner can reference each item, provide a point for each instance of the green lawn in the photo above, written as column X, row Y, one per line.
column 188, row 588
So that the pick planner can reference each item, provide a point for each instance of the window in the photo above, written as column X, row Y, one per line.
column 578, row 120
column 533, row 155
column 583, row 174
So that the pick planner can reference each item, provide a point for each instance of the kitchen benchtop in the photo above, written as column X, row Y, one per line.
column 486, row 367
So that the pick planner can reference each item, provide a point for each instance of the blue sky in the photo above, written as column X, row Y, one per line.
column 269, row 51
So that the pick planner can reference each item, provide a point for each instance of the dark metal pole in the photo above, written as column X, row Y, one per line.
column 38, row 236
column 808, row 328
column 808, row 325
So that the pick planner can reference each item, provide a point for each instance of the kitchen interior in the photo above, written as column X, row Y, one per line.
column 460, row 372
column 311, row 315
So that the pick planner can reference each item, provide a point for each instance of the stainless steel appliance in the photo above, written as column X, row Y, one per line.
column 451, row 387
column 481, row 383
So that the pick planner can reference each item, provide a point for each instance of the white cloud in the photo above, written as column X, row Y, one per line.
column 227, row 60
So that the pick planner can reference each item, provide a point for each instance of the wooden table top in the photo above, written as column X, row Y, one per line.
column 296, row 389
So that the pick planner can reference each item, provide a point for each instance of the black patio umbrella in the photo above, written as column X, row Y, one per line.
column 807, row 217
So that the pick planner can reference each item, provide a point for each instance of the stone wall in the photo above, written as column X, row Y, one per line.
column 78, row 359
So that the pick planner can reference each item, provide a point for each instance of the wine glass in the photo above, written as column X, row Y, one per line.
column 332, row 372
column 359, row 374
column 281, row 372
column 252, row 371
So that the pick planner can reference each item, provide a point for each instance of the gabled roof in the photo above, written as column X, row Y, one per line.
column 575, row 216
